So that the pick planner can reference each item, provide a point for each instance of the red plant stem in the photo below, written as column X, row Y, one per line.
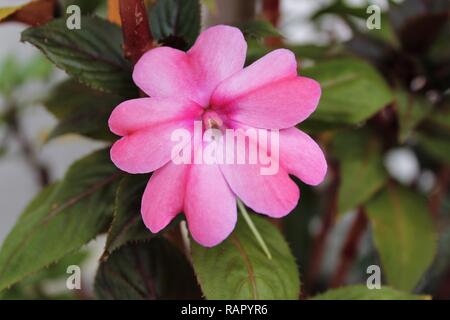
column 328, row 220
column 439, row 192
column 135, row 28
column 350, row 249
column 271, row 10
column 444, row 291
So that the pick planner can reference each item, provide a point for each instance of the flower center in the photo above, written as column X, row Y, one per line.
column 211, row 120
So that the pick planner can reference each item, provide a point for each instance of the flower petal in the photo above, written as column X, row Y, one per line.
column 164, row 196
column 273, row 195
column 301, row 156
column 271, row 192
column 210, row 206
column 138, row 114
column 274, row 66
column 218, row 53
column 147, row 150
column 268, row 93
column 278, row 105
column 164, row 72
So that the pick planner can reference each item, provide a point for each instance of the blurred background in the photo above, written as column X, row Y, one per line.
column 27, row 161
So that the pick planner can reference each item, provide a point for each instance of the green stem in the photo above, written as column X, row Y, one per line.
column 252, row 227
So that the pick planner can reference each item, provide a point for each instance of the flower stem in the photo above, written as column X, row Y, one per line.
column 137, row 37
column 255, row 231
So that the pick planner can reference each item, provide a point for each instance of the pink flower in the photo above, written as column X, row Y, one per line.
column 184, row 87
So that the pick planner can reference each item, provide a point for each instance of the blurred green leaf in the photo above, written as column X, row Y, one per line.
column 32, row 287
column 411, row 110
column 361, row 292
column 127, row 225
column 296, row 225
column 176, row 23
column 440, row 48
column 372, row 49
column 255, row 51
column 315, row 52
column 438, row 121
column 37, row 68
column 352, row 91
column 11, row 75
column 15, row 72
column 91, row 55
column 258, row 29
column 340, row 8
column 403, row 234
column 146, row 271
column 362, row 171
column 436, row 146
column 239, row 269
column 61, row 218
column 386, row 32
column 81, row 110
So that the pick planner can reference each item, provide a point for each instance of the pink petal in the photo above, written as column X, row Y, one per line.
column 164, row 196
column 301, row 156
column 276, row 65
column 268, row 93
column 218, row 53
column 278, row 105
column 274, row 195
column 138, row 114
column 147, row 150
column 164, row 72
column 210, row 206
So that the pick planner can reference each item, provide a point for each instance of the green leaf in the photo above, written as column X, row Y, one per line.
column 315, row 52
column 239, row 269
column 61, row 219
column 176, row 22
column 341, row 9
column 411, row 111
column 259, row 29
column 362, row 171
column 10, row 78
column 15, row 72
column 81, row 110
column 439, row 120
column 352, row 91
column 297, row 225
column 91, row 55
column 33, row 287
column 435, row 146
column 127, row 225
column 37, row 68
column 146, row 270
column 360, row 292
column 403, row 234
column 386, row 32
